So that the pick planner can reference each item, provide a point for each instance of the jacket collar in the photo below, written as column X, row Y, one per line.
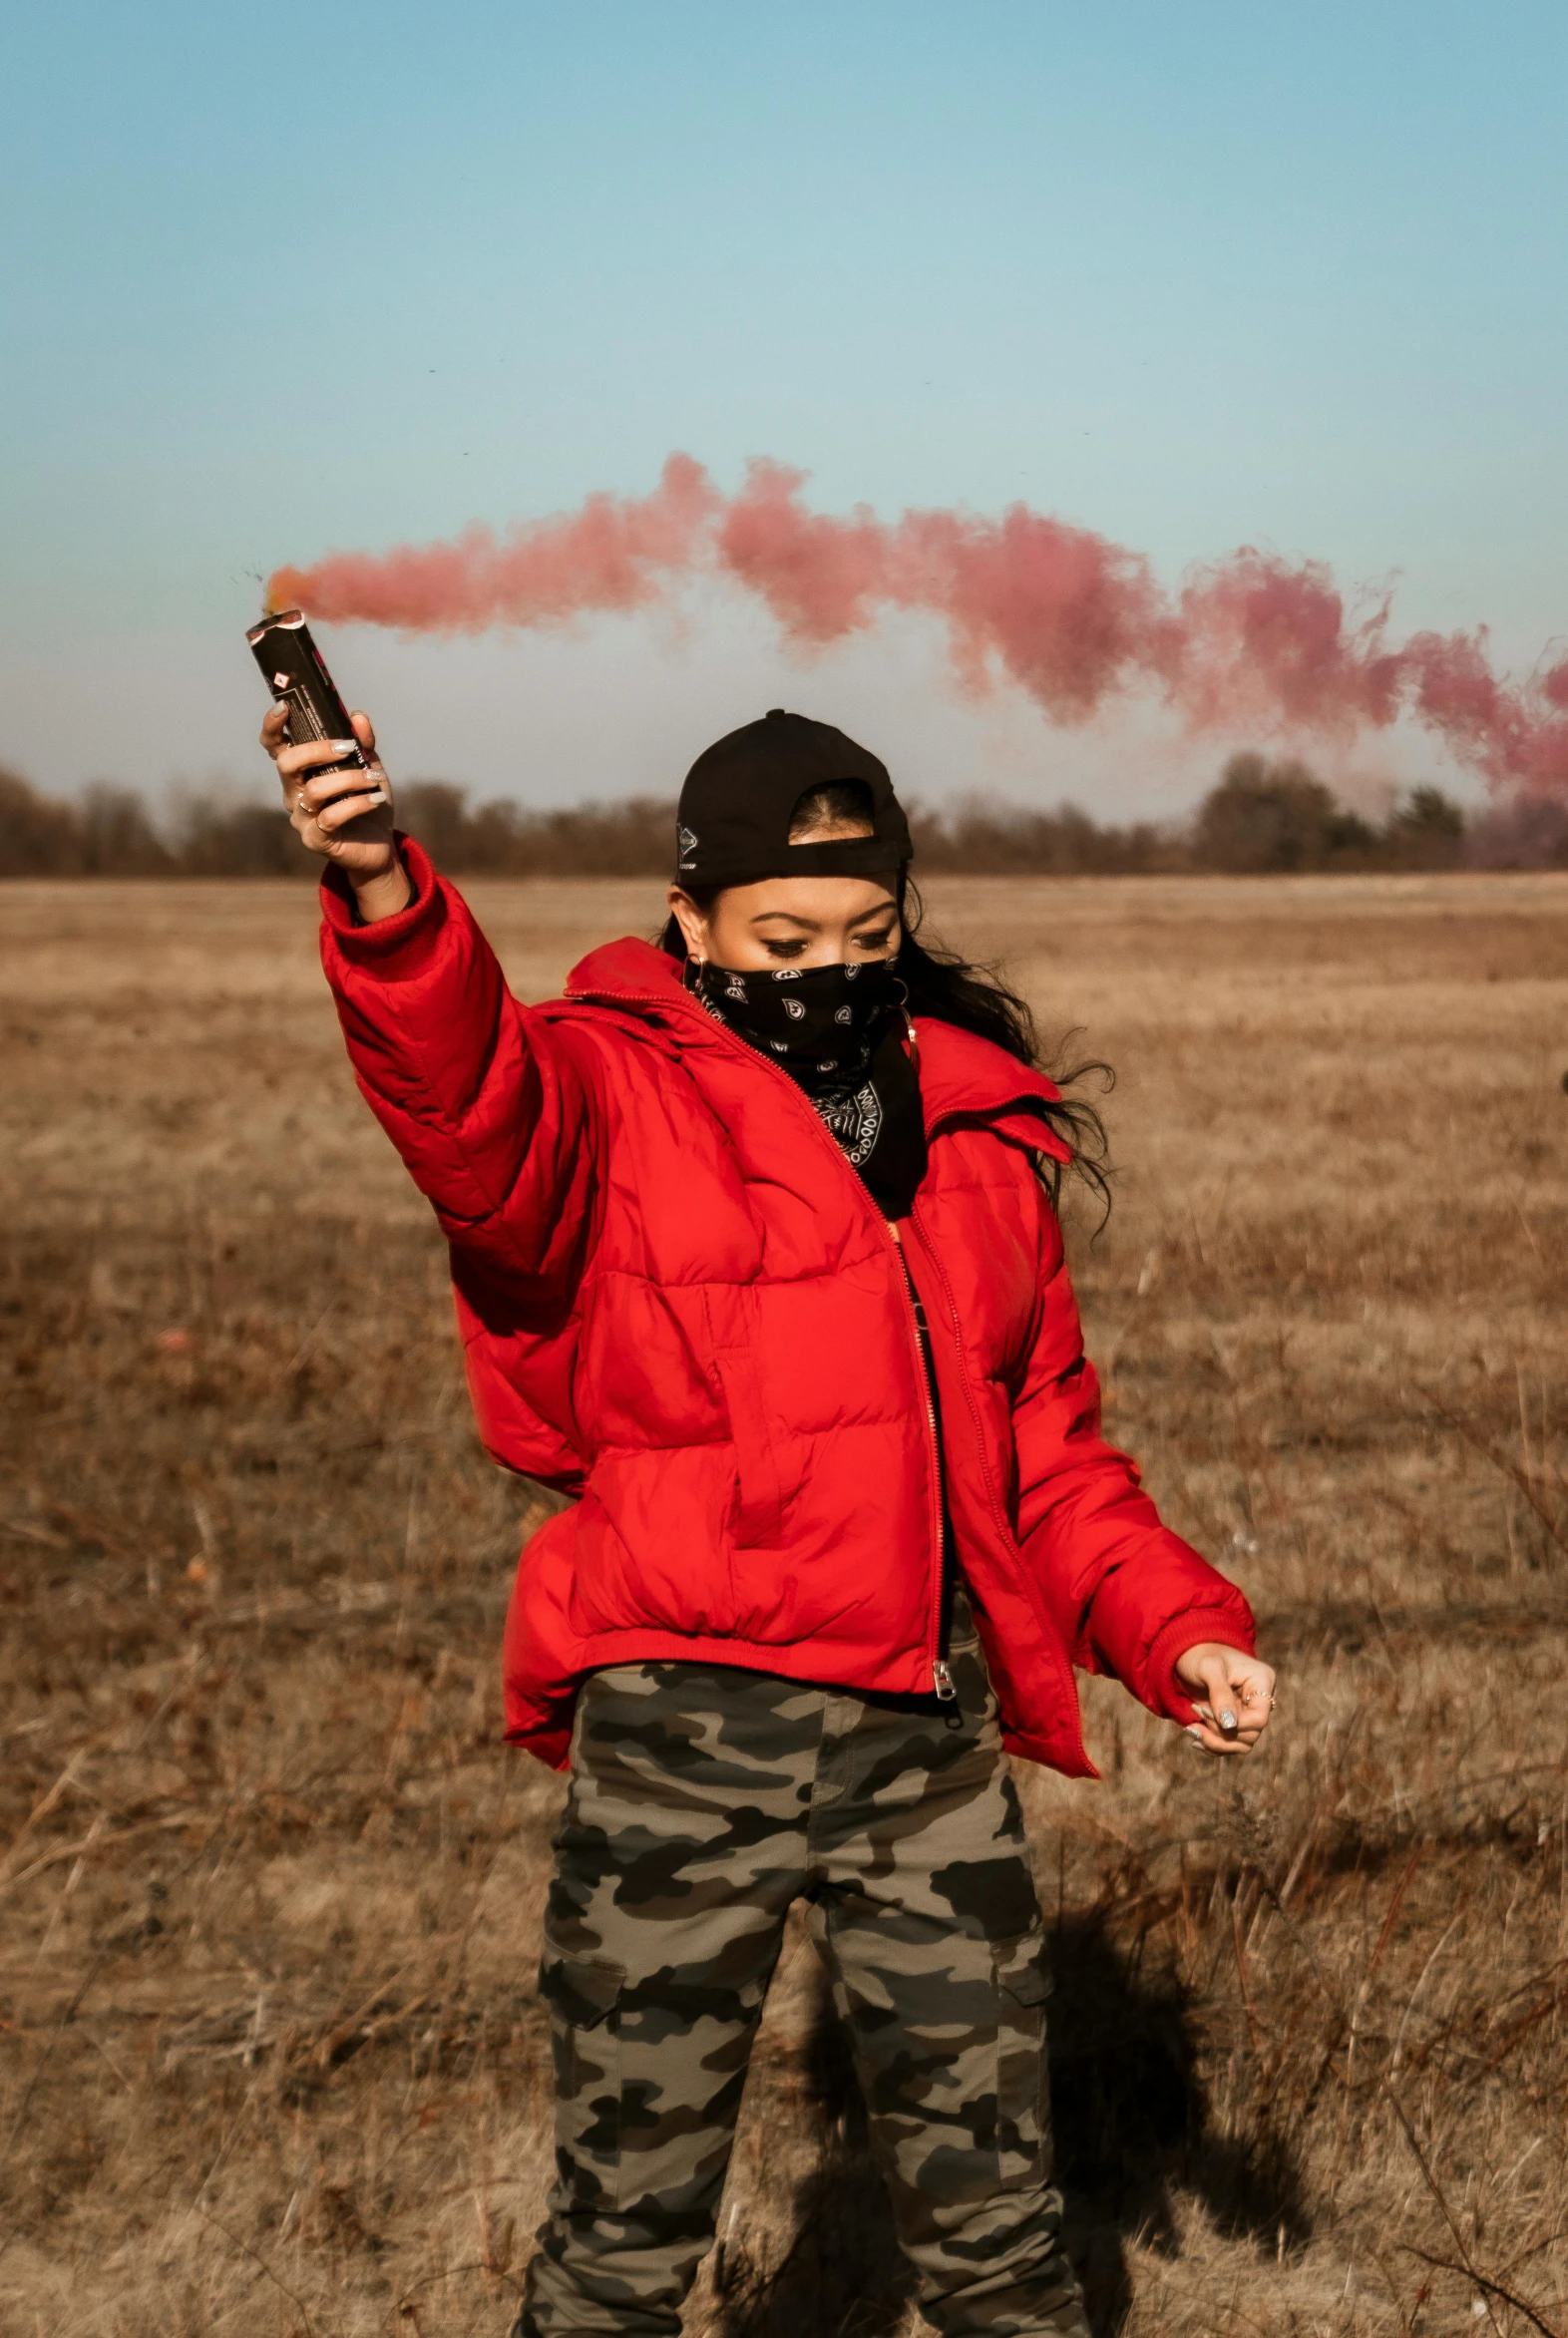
column 961, row 1078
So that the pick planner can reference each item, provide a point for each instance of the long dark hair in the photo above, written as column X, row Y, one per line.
column 973, row 996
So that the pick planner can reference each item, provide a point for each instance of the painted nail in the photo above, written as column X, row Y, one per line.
column 1227, row 1720
column 379, row 796
column 345, row 746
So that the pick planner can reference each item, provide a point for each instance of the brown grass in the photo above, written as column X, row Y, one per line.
column 272, row 2052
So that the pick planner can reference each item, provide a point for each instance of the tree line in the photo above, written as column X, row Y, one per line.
column 1261, row 818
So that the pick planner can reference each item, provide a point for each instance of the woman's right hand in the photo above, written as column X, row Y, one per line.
column 344, row 816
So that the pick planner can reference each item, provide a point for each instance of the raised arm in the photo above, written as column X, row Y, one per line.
column 494, row 1120
column 1130, row 1597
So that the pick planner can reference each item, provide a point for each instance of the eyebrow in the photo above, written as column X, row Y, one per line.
column 814, row 925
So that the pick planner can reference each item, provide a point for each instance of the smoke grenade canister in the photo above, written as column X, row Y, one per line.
column 298, row 679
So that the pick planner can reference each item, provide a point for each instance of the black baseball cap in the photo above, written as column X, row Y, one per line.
column 733, row 822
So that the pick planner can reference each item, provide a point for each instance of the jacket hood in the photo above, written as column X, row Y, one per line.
column 961, row 1077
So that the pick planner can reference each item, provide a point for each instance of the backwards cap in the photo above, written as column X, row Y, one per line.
column 740, row 795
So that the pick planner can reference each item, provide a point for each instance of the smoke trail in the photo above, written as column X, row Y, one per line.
column 1069, row 616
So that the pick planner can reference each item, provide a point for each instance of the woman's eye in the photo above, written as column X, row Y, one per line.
column 877, row 943
column 784, row 948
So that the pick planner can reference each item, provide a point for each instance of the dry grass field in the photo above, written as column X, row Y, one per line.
column 270, row 2059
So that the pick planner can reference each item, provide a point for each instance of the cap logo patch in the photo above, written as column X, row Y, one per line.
column 687, row 845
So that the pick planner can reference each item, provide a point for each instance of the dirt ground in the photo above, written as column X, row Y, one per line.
column 269, row 1907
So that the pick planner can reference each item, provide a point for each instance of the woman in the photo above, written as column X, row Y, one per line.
column 755, row 1256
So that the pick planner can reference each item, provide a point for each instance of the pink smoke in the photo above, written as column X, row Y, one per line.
column 1069, row 616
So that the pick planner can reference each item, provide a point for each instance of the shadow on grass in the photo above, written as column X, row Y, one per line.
column 1132, row 2132
column 1133, row 2128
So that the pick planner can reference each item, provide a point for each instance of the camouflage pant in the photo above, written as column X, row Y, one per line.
column 703, row 1801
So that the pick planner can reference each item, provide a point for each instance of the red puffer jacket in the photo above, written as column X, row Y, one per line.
column 679, row 1304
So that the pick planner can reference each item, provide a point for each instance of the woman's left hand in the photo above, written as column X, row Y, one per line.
column 1233, row 1694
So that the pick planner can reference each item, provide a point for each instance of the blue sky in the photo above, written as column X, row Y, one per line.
column 277, row 280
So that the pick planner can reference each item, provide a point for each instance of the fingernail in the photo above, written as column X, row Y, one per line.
column 1195, row 1733
column 345, row 746
column 1227, row 1720
column 378, row 797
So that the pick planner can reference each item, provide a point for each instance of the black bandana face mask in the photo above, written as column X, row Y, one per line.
column 818, row 1021
column 838, row 1032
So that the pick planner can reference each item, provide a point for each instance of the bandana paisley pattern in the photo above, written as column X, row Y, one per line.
column 835, row 1030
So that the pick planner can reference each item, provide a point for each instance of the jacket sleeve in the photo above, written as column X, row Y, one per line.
column 497, row 1122
column 1128, row 1595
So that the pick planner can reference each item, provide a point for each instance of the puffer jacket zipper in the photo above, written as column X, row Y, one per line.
column 941, row 1672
